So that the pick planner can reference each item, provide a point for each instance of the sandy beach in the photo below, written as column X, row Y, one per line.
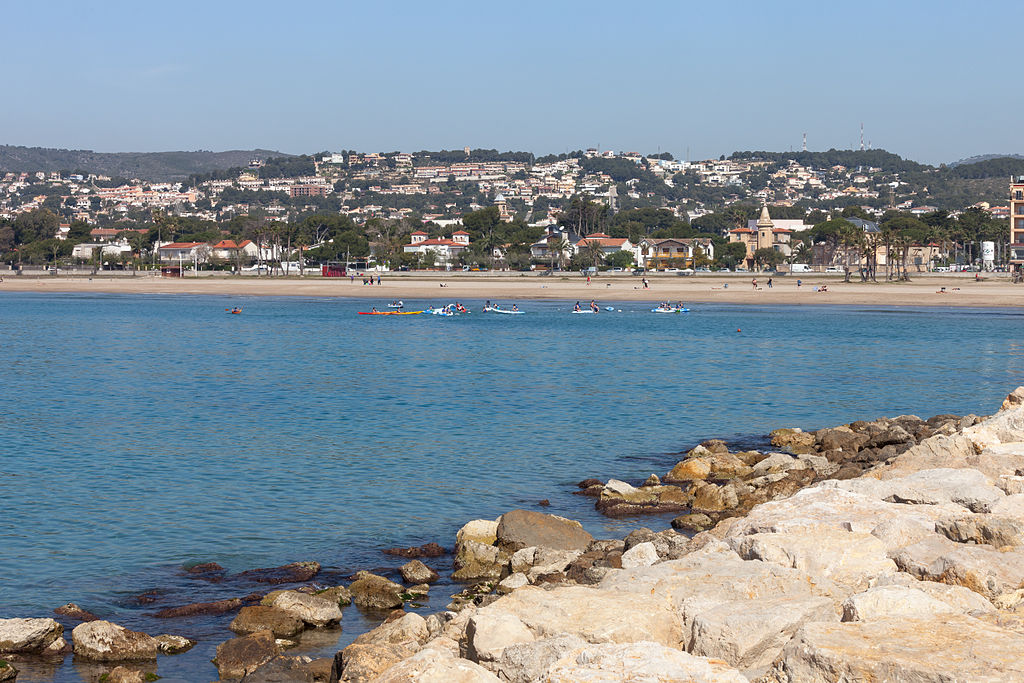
column 995, row 290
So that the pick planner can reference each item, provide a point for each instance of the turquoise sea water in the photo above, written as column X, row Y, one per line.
column 143, row 433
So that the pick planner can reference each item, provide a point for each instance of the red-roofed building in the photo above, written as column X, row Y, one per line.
column 184, row 251
column 606, row 243
column 230, row 250
column 445, row 250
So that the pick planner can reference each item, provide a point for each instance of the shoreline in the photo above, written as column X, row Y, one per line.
column 525, row 563
column 924, row 291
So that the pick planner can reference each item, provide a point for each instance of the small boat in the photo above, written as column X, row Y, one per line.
column 396, row 304
column 233, row 311
column 440, row 311
column 582, row 311
column 499, row 309
column 390, row 312
column 670, row 309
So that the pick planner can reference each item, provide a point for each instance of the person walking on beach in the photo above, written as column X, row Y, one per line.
column 754, row 282
column 798, row 283
column 646, row 285
column 769, row 283
column 378, row 279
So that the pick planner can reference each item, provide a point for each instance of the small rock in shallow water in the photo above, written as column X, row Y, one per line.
column 240, row 656
column 218, row 607
column 73, row 611
column 103, row 641
column 257, row 618
column 173, row 645
column 417, row 572
column 295, row 572
column 425, row 550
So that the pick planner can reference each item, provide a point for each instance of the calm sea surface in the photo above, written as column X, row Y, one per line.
column 139, row 434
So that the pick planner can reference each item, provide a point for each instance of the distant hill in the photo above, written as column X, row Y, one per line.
column 984, row 157
column 154, row 166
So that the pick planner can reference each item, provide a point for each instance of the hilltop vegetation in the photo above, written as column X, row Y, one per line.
column 153, row 166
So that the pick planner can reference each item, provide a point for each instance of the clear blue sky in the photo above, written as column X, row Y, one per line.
column 930, row 80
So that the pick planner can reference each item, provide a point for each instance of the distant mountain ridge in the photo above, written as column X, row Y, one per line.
column 985, row 157
column 152, row 166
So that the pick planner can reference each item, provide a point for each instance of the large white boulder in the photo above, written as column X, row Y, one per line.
column 311, row 609
column 593, row 614
column 981, row 568
column 489, row 633
column 843, row 556
column 435, row 663
column 643, row 661
column 938, row 649
column 961, row 486
column 885, row 602
column 103, row 641
column 30, row 636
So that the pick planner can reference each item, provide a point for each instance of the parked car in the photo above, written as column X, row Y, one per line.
column 801, row 268
column 835, row 269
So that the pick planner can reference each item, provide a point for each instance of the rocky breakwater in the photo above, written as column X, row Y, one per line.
column 711, row 483
column 911, row 570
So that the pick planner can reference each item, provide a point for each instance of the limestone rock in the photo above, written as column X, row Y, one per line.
column 7, row 672
column 410, row 631
column 983, row 569
column 694, row 521
column 415, row 571
column 749, row 633
column 727, row 466
column 376, row 592
column 642, row 661
column 523, row 528
column 595, row 615
column 339, row 595
column 712, row 498
column 693, row 469
column 103, row 641
column 962, row 486
column 840, row 439
column 992, row 530
column 794, row 441
column 366, row 661
column 775, row 463
column 512, row 582
column 845, row 557
column 173, row 645
column 618, row 499
column 239, row 656
column 885, row 602
column 28, row 636
column 1013, row 399
column 480, row 530
column 123, row 674
column 313, row 610
column 475, row 561
column 436, row 664
column 961, row 599
column 946, row 648
column 489, row 633
column 282, row 669
column 527, row 662
column 641, row 555
column 255, row 618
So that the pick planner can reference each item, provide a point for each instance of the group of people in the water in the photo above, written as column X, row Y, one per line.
column 489, row 306
column 669, row 304
column 593, row 307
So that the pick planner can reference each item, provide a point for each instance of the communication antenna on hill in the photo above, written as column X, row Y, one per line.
column 805, row 142
column 862, row 136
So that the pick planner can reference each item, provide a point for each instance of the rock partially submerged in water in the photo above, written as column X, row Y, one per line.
column 416, row 572
column 217, row 607
column 312, row 610
column 73, row 611
column 7, row 671
column 375, row 592
column 240, row 656
column 256, row 618
column 104, row 641
column 414, row 552
column 31, row 637
column 296, row 572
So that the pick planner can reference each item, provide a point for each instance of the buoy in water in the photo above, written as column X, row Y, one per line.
column 738, row 329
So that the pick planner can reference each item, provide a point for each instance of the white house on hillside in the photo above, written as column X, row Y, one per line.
column 445, row 250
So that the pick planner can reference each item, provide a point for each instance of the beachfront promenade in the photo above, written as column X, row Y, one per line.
column 925, row 289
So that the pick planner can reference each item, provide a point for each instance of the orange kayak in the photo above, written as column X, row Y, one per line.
column 390, row 312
